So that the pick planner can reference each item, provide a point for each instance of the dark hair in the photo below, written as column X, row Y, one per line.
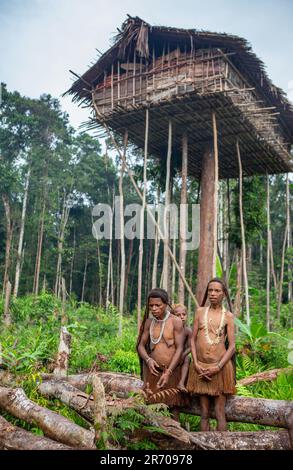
column 156, row 293
column 226, row 293
column 225, row 290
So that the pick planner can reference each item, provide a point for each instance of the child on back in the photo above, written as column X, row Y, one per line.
column 181, row 311
column 212, row 374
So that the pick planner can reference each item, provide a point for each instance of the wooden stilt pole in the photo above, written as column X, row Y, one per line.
column 183, row 218
column 140, row 259
column 243, row 236
column 166, row 265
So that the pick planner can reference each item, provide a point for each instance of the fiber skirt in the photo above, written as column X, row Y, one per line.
column 170, row 394
column 221, row 383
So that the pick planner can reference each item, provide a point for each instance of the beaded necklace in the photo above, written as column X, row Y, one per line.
column 162, row 326
column 218, row 330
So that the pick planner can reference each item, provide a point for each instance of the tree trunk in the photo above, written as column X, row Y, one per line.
column 61, row 368
column 243, row 237
column 268, row 285
column 7, row 211
column 183, row 220
column 72, row 262
column 63, row 303
column 84, row 278
column 208, row 222
column 6, row 313
column 39, row 249
column 14, row 438
column 63, row 224
column 280, row 290
column 272, row 261
column 141, row 235
column 100, row 274
column 21, row 234
column 237, row 302
column 166, row 263
column 54, row 425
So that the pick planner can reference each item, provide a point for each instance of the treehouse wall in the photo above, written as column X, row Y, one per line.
column 171, row 78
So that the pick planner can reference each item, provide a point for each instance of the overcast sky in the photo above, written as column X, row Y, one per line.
column 40, row 40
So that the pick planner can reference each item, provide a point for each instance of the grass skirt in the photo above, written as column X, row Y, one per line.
column 221, row 383
column 170, row 394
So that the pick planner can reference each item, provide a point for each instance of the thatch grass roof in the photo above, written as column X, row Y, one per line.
column 136, row 33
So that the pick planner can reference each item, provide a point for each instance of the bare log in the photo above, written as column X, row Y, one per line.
column 257, row 440
column 121, row 384
column 53, row 425
column 69, row 395
column 251, row 410
column 266, row 376
column 14, row 438
column 63, row 353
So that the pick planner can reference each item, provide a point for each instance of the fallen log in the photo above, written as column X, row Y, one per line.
column 14, row 438
column 84, row 405
column 116, row 382
column 256, row 440
column 69, row 395
column 54, row 425
column 251, row 410
column 239, row 409
column 266, row 376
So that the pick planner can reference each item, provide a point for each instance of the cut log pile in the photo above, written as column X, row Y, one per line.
column 111, row 396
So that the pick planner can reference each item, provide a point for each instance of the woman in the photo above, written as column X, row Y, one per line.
column 213, row 349
column 160, row 347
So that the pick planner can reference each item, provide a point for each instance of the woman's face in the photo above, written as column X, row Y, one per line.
column 215, row 293
column 157, row 307
column 181, row 313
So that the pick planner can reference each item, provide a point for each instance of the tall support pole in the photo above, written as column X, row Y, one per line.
column 166, row 265
column 243, row 236
column 157, row 246
column 280, row 289
column 268, row 257
column 289, row 241
column 208, row 216
column 141, row 238
column 183, row 218
column 122, row 269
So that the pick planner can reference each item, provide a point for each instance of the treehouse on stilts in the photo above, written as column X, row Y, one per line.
column 213, row 93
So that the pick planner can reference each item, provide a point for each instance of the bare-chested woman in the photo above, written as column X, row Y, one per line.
column 160, row 347
column 213, row 345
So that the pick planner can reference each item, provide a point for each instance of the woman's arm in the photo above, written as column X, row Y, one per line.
column 151, row 363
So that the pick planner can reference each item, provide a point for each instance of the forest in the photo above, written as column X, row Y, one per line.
column 54, row 273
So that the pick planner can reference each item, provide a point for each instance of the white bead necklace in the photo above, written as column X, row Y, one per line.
column 218, row 330
column 162, row 326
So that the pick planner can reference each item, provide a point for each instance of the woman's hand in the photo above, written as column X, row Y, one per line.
column 201, row 372
column 152, row 365
column 209, row 372
column 164, row 379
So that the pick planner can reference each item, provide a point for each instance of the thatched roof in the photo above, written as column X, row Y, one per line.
column 135, row 32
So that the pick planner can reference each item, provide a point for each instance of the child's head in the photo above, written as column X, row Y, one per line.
column 180, row 311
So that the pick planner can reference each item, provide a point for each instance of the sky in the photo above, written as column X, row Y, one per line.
column 41, row 40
